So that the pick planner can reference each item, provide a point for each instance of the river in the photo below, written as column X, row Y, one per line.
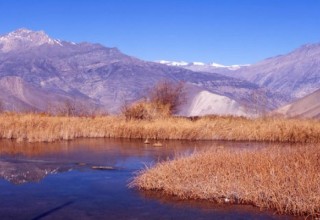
column 88, row 178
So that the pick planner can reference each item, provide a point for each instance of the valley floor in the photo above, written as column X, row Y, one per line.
column 42, row 127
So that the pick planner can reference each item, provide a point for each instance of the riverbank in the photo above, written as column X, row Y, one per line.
column 284, row 179
column 46, row 128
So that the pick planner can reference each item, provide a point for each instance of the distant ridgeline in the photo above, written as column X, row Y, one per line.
column 38, row 73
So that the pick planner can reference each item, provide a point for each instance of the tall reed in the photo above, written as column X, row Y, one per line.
column 42, row 127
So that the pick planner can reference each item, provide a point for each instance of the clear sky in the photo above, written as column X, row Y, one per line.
column 223, row 31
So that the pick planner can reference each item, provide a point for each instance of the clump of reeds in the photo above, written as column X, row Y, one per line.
column 285, row 179
column 43, row 127
column 144, row 110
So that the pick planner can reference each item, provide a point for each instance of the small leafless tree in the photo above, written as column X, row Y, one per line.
column 161, row 101
column 75, row 108
column 65, row 108
column 168, row 93
column 1, row 106
column 260, row 101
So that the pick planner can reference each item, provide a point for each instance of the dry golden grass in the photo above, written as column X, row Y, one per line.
column 146, row 111
column 285, row 179
column 42, row 127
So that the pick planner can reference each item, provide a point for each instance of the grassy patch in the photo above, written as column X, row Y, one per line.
column 285, row 179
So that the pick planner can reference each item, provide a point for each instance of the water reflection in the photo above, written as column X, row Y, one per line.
column 19, row 172
column 87, row 179
column 26, row 162
column 30, row 162
column 123, row 146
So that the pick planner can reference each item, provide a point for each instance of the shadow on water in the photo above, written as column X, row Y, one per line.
column 95, row 173
column 45, row 214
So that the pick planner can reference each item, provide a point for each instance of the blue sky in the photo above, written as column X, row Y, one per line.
column 223, row 31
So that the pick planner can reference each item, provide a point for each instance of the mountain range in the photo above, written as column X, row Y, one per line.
column 294, row 75
column 37, row 72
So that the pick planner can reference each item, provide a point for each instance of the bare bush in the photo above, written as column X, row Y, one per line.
column 168, row 93
column 163, row 100
column 1, row 106
column 72, row 108
column 67, row 108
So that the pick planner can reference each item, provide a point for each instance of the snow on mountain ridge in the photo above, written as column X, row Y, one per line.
column 173, row 63
column 197, row 65
column 217, row 65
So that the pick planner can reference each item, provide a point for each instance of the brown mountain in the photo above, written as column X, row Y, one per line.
column 306, row 107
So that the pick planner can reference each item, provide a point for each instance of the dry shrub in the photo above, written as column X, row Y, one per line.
column 162, row 101
column 146, row 111
column 168, row 93
column 283, row 179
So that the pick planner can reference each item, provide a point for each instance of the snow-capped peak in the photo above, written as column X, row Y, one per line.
column 24, row 38
column 20, row 31
column 231, row 67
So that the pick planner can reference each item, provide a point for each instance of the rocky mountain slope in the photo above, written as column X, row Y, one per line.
column 306, row 107
column 295, row 75
column 37, row 71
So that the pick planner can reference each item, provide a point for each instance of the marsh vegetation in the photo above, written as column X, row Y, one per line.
column 43, row 127
column 284, row 179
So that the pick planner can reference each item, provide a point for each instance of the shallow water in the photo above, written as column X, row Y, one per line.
column 87, row 179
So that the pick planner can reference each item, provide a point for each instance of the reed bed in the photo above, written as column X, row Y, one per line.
column 284, row 179
column 42, row 127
